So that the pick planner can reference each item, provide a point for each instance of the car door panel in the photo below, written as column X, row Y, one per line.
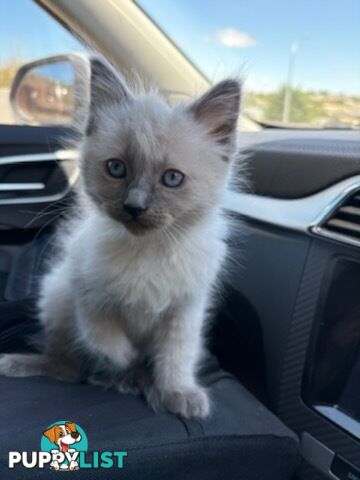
column 35, row 174
column 29, row 157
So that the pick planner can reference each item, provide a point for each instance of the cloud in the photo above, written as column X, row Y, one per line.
column 232, row 38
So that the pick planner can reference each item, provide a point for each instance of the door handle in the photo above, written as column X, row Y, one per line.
column 41, row 190
column 11, row 187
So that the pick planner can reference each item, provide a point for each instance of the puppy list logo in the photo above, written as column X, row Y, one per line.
column 64, row 447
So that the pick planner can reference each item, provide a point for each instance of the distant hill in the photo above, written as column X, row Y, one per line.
column 322, row 109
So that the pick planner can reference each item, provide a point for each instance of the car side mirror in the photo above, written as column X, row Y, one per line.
column 52, row 91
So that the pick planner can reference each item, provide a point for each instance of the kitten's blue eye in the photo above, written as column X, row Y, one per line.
column 172, row 178
column 116, row 168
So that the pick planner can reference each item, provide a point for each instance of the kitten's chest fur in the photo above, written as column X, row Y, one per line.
column 151, row 277
column 143, row 279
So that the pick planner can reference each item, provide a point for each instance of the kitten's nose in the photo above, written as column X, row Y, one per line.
column 134, row 210
column 136, row 202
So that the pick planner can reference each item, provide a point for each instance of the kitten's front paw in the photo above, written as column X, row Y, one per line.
column 189, row 402
column 13, row 365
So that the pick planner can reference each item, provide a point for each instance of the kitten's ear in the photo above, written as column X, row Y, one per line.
column 218, row 110
column 107, row 87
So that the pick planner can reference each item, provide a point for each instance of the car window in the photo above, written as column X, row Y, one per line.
column 300, row 60
column 28, row 33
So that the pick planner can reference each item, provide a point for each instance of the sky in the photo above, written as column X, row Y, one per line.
column 254, row 38
column 27, row 32
column 251, row 38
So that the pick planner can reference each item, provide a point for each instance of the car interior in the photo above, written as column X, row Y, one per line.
column 283, row 366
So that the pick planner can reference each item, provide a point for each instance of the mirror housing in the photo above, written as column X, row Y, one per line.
column 52, row 91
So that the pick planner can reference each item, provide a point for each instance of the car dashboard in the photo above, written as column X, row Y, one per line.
column 301, row 273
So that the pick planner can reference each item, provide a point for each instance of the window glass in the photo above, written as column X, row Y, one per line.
column 300, row 59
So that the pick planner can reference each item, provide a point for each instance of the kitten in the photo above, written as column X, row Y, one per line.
column 129, row 295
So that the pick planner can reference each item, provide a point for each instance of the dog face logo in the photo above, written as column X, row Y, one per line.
column 63, row 435
column 64, row 440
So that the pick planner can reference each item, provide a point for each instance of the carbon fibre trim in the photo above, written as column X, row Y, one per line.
column 290, row 406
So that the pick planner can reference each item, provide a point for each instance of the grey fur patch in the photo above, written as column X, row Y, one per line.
column 219, row 110
column 106, row 88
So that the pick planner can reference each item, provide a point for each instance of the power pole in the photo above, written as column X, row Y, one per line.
column 288, row 86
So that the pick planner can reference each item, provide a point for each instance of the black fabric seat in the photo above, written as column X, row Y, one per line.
column 241, row 439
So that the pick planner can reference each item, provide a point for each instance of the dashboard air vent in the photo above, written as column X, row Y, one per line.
column 344, row 222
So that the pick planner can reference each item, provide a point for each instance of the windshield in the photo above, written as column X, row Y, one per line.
column 300, row 61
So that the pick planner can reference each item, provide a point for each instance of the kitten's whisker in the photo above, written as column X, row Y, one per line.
column 43, row 213
column 46, row 224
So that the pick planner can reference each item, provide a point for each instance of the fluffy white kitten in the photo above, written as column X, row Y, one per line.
column 127, row 298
